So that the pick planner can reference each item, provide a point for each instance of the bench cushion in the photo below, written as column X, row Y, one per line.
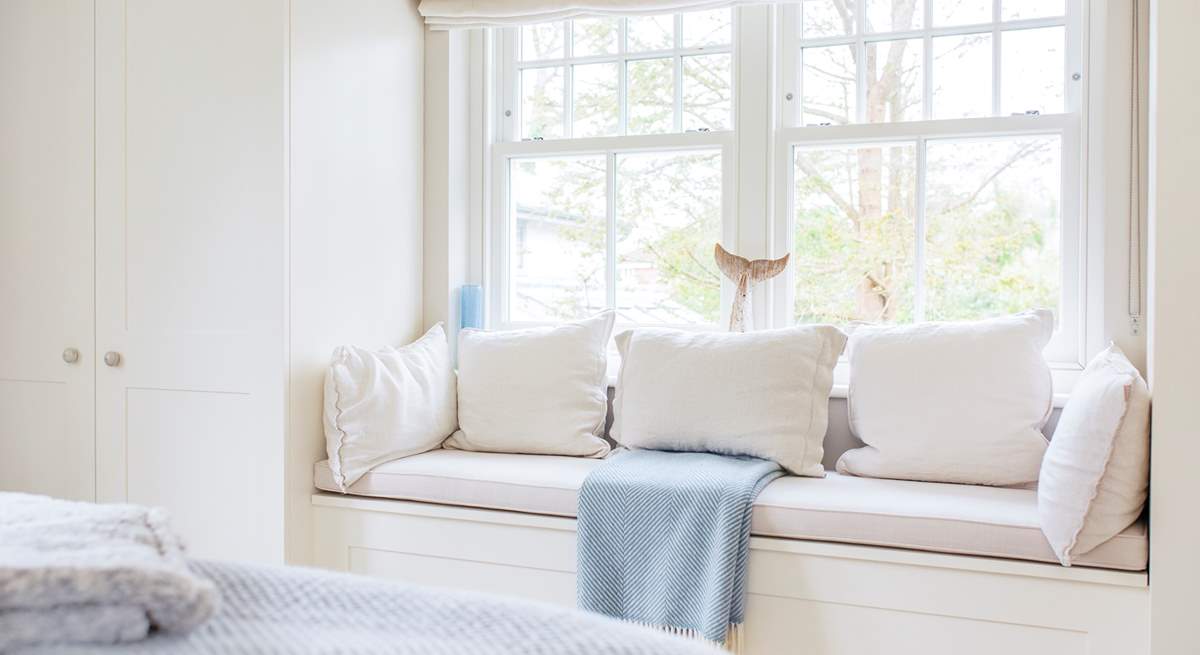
column 937, row 517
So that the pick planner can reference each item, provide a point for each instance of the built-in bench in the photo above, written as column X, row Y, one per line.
column 946, row 518
column 838, row 564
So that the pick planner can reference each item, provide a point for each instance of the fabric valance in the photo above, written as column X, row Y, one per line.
column 465, row 14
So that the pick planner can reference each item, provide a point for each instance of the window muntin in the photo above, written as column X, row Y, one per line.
column 614, row 168
column 934, row 173
column 592, row 77
column 989, row 243
column 915, row 272
column 623, row 229
column 906, row 60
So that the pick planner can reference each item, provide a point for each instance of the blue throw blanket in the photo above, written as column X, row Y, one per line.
column 664, row 538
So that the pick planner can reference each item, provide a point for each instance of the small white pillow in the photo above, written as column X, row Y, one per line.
column 763, row 394
column 1097, row 469
column 538, row 391
column 389, row 404
column 950, row 402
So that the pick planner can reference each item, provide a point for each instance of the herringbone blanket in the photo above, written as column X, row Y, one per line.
column 290, row 610
column 664, row 538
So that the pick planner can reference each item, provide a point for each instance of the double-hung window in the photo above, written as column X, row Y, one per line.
column 612, row 168
column 926, row 162
column 929, row 161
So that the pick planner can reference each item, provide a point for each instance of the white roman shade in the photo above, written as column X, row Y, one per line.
column 465, row 14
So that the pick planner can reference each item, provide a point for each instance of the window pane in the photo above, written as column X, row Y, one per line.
column 542, row 102
column 650, row 91
column 668, row 218
column 1032, row 70
column 1014, row 9
column 962, row 76
column 707, row 92
column 595, row 36
column 829, row 87
column 557, row 239
column 894, row 15
column 705, row 28
column 820, row 18
column 992, row 226
column 542, row 41
column 855, row 233
column 651, row 33
column 596, row 100
column 894, row 86
column 961, row 12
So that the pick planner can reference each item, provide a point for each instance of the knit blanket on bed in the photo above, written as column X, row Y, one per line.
column 81, row 572
column 664, row 538
column 277, row 610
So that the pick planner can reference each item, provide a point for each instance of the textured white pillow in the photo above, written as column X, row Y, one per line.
column 763, row 394
column 1097, row 469
column 538, row 391
column 389, row 404
column 950, row 402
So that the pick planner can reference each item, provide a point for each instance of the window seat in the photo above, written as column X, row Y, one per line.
column 944, row 518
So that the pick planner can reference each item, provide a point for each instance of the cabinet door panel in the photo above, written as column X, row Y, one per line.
column 191, row 156
column 47, row 436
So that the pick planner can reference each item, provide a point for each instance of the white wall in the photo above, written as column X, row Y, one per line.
column 356, row 206
column 1174, row 325
column 447, row 175
column 1109, row 161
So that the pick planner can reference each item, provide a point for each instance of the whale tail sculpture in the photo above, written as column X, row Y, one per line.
column 745, row 274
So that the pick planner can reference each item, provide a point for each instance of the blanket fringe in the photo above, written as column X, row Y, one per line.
column 733, row 634
column 733, row 638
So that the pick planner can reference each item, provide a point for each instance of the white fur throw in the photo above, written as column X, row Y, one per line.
column 82, row 573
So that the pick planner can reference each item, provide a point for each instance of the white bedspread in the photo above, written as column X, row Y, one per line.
column 297, row 610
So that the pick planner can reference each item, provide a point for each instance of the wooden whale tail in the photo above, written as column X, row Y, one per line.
column 734, row 267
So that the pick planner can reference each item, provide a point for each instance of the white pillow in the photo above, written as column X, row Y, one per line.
column 763, row 394
column 950, row 402
column 538, row 391
column 389, row 404
column 1097, row 469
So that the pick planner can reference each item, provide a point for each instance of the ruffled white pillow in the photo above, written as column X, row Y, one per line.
column 387, row 404
column 1096, row 472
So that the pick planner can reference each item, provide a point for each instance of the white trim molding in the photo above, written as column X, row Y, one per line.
column 821, row 597
column 757, row 167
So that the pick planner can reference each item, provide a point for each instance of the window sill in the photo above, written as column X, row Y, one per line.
column 843, row 391
column 1063, row 374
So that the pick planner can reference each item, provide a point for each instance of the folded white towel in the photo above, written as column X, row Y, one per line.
column 83, row 573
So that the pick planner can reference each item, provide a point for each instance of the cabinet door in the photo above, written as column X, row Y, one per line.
column 190, row 269
column 47, row 437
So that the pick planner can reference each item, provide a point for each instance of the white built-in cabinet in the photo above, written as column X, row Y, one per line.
column 198, row 200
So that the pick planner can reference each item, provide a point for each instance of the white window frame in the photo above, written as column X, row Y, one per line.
column 508, row 148
column 1066, row 351
column 509, row 43
column 757, row 168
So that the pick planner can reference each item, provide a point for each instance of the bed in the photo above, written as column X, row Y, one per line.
column 297, row 610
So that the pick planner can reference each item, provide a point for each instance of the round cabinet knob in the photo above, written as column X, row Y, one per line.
column 112, row 358
column 70, row 355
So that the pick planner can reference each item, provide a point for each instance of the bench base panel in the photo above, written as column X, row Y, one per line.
column 803, row 597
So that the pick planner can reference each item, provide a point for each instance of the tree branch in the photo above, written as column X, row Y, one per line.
column 829, row 191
